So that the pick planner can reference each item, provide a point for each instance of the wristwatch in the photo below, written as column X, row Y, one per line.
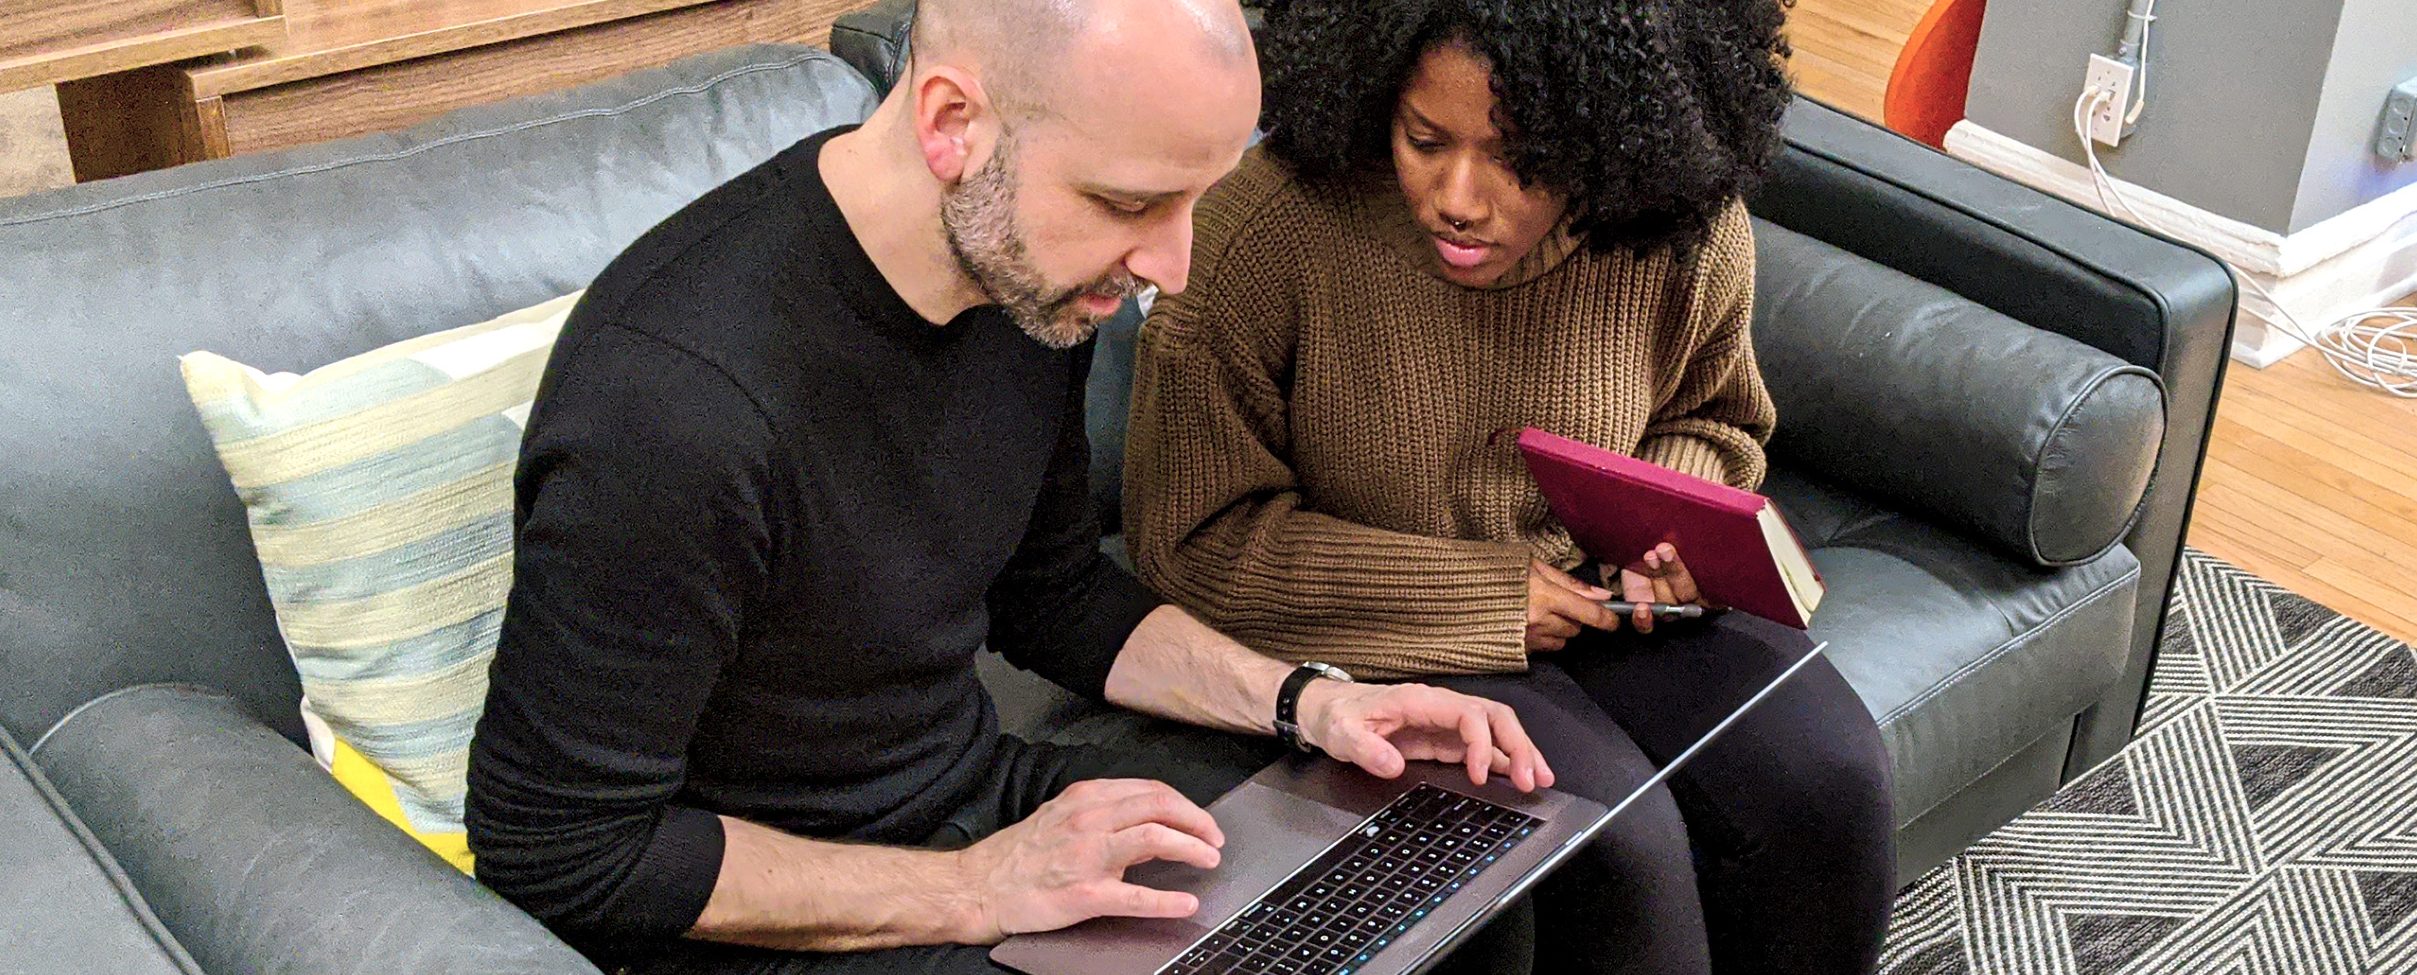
column 1288, row 700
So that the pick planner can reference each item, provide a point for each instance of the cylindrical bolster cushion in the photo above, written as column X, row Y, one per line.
column 1917, row 396
column 259, row 862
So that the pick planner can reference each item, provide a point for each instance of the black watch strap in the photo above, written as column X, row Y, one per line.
column 1288, row 701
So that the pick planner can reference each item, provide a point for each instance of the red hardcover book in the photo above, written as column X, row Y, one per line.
column 1741, row 552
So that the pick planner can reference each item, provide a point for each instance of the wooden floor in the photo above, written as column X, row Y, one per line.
column 2311, row 482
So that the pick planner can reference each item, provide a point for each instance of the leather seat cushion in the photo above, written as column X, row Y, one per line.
column 1961, row 654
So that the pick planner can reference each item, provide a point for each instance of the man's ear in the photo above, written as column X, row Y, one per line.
column 950, row 107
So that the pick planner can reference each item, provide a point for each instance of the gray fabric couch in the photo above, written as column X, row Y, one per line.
column 159, row 814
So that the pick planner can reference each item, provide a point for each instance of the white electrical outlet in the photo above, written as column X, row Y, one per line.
column 2106, row 114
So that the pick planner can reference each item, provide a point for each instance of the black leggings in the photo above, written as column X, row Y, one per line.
column 1772, row 851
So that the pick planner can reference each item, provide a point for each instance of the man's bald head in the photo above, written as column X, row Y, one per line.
column 1030, row 52
column 1068, row 141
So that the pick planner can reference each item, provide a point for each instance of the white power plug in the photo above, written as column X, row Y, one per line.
column 2106, row 116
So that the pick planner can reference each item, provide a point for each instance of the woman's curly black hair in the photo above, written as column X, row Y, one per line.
column 1651, row 115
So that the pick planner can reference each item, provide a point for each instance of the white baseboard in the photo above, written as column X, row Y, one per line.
column 2361, row 259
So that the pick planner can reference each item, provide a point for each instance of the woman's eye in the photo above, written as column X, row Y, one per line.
column 1425, row 145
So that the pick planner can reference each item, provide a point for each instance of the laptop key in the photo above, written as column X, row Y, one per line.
column 1332, row 915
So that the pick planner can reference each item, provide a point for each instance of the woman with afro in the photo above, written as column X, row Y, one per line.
column 1470, row 217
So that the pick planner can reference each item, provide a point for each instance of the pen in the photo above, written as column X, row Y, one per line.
column 1664, row 610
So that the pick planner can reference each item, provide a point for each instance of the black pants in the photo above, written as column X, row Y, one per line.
column 1772, row 851
column 1025, row 776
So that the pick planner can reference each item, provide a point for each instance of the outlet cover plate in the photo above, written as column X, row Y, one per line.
column 2114, row 77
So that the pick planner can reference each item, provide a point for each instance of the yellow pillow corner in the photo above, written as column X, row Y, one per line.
column 376, row 791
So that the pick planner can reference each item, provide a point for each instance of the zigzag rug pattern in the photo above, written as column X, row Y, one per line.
column 2263, row 822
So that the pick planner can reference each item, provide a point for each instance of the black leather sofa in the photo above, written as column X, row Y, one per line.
column 159, row 814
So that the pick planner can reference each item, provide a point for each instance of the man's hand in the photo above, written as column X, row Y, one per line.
column 1559, row 606
column 1066, row 862
column 1658, row 576
column 1380, row 727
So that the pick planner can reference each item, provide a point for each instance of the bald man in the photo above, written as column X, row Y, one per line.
column 812, row 442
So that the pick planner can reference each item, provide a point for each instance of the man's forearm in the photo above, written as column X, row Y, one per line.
column 1175, row 666
column 781, row 891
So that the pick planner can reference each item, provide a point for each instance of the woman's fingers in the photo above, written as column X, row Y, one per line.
column 1674, row 571
column 1638, row 588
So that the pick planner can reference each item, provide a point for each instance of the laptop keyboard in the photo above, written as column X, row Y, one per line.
column 1365, row 892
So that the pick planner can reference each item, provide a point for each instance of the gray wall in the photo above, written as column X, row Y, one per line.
column 2263, row 111
column 2375, row 49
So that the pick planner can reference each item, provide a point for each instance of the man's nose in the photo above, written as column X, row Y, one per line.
column 1164, row 256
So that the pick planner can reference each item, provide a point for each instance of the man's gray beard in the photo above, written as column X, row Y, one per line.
column 978, row 218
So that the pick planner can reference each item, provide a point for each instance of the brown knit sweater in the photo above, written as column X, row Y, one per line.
column 1313, row 464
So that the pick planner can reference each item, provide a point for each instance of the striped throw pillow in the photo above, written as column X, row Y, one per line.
column 379, row 492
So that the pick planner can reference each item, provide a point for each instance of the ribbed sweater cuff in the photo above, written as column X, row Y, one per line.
column 1375, row 602
column 1686, row 455
column 675, row 876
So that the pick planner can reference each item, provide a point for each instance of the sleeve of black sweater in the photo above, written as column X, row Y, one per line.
column 644, row 532
column 1062, row 609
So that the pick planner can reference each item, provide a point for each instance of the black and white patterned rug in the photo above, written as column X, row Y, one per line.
column 2264, row 821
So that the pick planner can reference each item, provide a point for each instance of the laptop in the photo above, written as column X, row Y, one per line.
column 1328, row 870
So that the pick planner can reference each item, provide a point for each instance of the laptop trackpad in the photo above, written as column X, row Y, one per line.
column 1284, row 832
column 1269, row 833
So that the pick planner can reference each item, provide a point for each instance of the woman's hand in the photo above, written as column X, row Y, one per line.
column 1659, row 576
column 1559, row 606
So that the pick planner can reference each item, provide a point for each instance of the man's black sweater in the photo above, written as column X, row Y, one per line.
column 766, row 514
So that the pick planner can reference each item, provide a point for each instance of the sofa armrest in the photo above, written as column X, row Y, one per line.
column 2146, row 298
column 257, row 861
column 875, row 41
column 65, row 906
column 1908, row 392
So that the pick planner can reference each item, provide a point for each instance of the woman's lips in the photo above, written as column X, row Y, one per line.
column 1460, row 255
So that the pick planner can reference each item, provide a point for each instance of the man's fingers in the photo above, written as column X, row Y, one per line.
column 1155, row 841
column 1100, row 792
column 1477, row 738
column 1115, row 898
column 1371, row 752
column 1521, row 760
column 1539, row 640
column 1161, row 805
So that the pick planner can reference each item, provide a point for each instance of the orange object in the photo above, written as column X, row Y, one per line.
column 1926, row 90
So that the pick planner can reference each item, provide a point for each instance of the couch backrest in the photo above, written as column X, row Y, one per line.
column 123, row 553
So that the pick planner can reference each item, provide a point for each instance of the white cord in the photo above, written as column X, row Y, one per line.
column 2375, row 348
column 2148, row 19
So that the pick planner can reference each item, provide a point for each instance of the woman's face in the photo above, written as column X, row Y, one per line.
column 1448, row 156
